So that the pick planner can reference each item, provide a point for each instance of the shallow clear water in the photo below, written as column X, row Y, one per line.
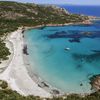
column 65, row 70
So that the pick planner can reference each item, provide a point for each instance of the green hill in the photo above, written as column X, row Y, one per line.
column 14, row 15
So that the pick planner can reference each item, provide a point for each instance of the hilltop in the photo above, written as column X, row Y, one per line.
column 14, row 15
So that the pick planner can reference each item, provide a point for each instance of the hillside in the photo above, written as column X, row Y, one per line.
column 14, row 15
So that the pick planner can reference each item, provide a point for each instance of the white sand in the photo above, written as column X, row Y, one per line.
column 16, row 73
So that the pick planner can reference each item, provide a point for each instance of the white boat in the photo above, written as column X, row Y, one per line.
column 67, row 49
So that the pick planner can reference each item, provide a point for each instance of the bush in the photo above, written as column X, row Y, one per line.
column 3, row 84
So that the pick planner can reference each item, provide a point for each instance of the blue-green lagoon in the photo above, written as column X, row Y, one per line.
column 65, row 56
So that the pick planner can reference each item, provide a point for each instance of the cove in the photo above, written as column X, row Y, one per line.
column 67, row 70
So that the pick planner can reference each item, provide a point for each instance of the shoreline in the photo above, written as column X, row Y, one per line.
column 37, row 79
column 87, row 22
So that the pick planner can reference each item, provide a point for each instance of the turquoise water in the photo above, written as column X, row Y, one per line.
column 65, row 70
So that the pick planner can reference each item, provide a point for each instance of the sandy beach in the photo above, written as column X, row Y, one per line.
column 16, row 73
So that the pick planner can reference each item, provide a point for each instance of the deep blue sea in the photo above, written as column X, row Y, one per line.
column 86, row 10
column 66, row 57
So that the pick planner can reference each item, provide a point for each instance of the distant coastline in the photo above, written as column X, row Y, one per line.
column 82, row 9
column 86, row 22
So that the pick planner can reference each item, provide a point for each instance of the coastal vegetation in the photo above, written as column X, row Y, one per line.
column 7, row 94
column 3, row 84
column 4, row 52
column 14, row 15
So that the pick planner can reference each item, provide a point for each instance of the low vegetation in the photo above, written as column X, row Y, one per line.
column 3, row 84
column 4, row 52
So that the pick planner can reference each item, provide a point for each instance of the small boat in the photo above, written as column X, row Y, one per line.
column 67, row 49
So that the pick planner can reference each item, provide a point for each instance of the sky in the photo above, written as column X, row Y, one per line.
column 74, row 2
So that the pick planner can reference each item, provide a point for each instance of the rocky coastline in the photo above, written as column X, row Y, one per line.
column 95, row 82
column 86, row 22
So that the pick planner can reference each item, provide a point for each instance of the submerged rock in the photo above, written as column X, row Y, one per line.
column 81, row 84
column 97, row 51
column 75, row 36
column 55, row 91
column 75, row 40
column 87, row 57
column 25, row 50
